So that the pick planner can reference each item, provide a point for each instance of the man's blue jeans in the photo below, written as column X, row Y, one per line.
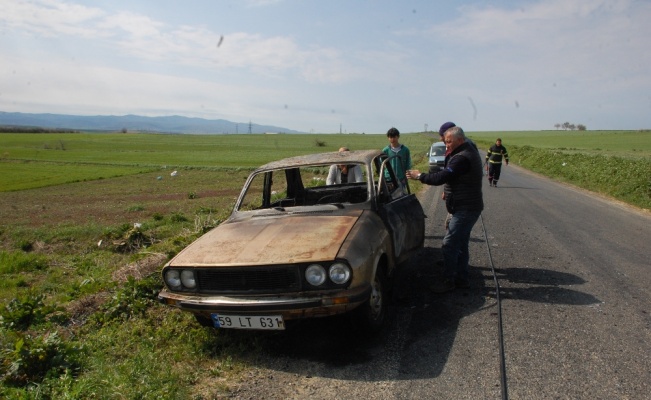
column 455, row 245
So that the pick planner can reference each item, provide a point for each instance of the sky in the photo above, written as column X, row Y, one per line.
column 334, row 66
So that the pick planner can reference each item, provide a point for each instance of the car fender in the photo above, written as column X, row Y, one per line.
column 365, row 245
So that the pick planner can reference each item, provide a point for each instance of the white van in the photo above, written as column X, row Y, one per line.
column 436, row 157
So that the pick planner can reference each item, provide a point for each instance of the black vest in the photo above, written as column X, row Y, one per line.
column 464, row 192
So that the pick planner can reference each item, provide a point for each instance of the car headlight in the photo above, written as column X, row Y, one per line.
column 173, row 278
column 187, row 278
column 339, row 273
column 315, row 275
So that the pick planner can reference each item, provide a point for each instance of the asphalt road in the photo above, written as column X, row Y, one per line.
column 573, row 272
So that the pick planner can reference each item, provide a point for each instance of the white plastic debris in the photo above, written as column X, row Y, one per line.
column 137, row 225
column 174, row 173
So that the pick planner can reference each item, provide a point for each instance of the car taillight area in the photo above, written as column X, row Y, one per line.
column 263, row 279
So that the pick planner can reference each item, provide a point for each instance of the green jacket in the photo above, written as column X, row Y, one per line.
column 399, row 168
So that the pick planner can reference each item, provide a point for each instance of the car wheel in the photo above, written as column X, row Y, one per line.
column 370, row 316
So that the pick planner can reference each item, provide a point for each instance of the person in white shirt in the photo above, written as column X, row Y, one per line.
column 339, row 174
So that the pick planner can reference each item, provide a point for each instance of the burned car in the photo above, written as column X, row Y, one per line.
column 295, row 247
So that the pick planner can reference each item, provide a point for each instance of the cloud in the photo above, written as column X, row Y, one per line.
column 548, row 48
column 545, row 56
column 261, row 3
column 569, row 30
column 50, row 18
column 134, row 25
column 144, row 39
column 122, row 92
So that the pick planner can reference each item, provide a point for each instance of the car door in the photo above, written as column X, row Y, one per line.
column 401, row 212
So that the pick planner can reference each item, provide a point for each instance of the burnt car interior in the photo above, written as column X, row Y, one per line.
column 305, row 186
column 285, row 188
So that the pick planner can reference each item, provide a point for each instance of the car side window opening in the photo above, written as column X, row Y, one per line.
column 304, row 186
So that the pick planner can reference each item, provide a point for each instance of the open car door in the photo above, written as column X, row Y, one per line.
column 401, row 211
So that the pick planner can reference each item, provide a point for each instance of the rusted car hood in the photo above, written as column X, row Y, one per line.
column 264, row 241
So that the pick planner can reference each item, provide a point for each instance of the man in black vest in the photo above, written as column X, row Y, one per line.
column 462, row 177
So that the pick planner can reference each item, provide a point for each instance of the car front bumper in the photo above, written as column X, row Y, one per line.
column 303, row 305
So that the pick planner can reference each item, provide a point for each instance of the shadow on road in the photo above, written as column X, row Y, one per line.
column 541, row 286
column 421, row 331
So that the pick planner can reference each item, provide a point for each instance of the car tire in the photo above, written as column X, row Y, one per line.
column 370, row 317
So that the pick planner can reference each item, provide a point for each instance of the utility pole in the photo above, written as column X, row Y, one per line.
column 249, row 126
column 425, row 128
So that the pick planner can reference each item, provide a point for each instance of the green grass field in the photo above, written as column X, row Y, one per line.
column 88, row 220
column 35, row 160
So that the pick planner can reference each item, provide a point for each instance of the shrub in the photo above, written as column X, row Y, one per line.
column 203, row 224
column 130, row 300
column 178, row 217
column 206, row 210
column 32, row 359
column 21, row 313
column 135, row 208
column 132, row 240
column 26, row 246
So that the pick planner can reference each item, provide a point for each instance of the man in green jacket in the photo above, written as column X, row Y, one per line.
column 402, row 163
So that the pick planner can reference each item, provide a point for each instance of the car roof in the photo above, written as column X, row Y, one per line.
column 438, row 144
column 343, row 157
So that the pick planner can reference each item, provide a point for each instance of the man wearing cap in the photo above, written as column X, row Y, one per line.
column 442, row 130
column 462, row 180
column 447, row 126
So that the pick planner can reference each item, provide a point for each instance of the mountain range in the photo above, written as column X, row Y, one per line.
column 134, row 123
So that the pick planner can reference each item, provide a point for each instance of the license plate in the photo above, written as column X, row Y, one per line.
column 272, row 322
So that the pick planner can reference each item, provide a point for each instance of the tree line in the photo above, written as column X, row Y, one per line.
column 33, row 129
column 570, row 127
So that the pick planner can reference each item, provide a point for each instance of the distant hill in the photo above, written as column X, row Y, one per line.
column 135, row 123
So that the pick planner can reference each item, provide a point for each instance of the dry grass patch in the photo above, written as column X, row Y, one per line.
column 141, row 268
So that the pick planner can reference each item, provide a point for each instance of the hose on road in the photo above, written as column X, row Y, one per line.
column 505, row 394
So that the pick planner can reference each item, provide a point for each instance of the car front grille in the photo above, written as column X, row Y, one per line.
column 249, row 279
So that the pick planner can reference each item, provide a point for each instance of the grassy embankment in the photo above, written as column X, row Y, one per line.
column 614, row 163
column 74, row 325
